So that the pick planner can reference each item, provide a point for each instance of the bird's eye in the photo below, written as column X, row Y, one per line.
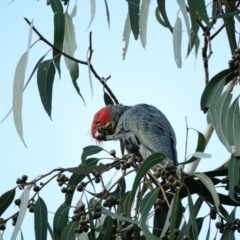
column 97, row 122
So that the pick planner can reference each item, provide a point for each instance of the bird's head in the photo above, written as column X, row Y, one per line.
column 102, row 124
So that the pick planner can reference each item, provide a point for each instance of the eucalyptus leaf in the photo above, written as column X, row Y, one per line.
column 177, row 42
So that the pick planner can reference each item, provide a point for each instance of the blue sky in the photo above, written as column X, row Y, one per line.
column 146, row 76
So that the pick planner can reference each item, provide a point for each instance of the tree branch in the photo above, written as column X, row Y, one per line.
column 75, row 60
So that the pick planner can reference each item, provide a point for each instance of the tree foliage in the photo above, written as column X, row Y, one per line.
column 154, row 208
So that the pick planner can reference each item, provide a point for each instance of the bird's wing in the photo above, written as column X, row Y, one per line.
column 152, row 129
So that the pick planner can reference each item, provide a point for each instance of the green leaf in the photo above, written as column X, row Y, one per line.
column 162, row 9
column 177, row 42
column 201, row 144
column 26, row 84
column 159, row 18
column 233, row 173
column 228, row 233
column 90, row 150
column 183, row 232
column 107, row 99
column 192, row 216
column 18, row 83
column 192, row 4
column 58, row 31
column 209, row 185
column 133, row 11
column 183, row 8
column 202, row 11
column 193, row 41
column 21, row 214
column 230, row 26
column 120, row 217
column 233, row 126
column 107, row 226
column 85, row 169
column 68, row 231
column 170, row 215
column 145, row 207
column 6, row 199
column 107, row 13
column 143, row 18
column 126, row 36
column 176, row 215
column 212, row 103
column 151, row 161
column 124, row 206
column 40, row 219
column 70, row 47
column 227, row 74
column 222, row 117
column 60, row 220
column 45, row 78
column 235, row 13
column 93, row 11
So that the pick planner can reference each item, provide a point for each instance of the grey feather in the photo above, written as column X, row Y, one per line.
column 146, row 127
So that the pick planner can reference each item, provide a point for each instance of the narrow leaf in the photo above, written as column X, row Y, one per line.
column 40, row 219
column 233, row 173
column 151, row 161
column 227, row 74
column 209, row 185
column 143, row 18
column 126, row 36
column 222, row 118
column 70, row 46
column 90, row 150
column 107, row 225
column 183, row 8
column 21, row 214
column 228, row 233
column 58, row 31
column 193, row 217
column 90, row 76
column 201, row 155
column 233, row 126
column 145, row 207
column 26, row 84
column 6, row 199
column 162, row 9
column 18, row 84
column 107, row 99
column 107, row 13
column 68, row 231
column 120, row 217
column 159, row 18
column 176, row 215
column 133, row 11
column 85, row 169
column 177, row 42
column 93, row 11
column 201, row 144
column 60, row 220
column 202, row 11
column 45, row 78
column 192, row 4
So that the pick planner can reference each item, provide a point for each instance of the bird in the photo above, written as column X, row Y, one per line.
column 142, row 129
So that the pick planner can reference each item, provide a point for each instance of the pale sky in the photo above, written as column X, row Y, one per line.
column 146, row 76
